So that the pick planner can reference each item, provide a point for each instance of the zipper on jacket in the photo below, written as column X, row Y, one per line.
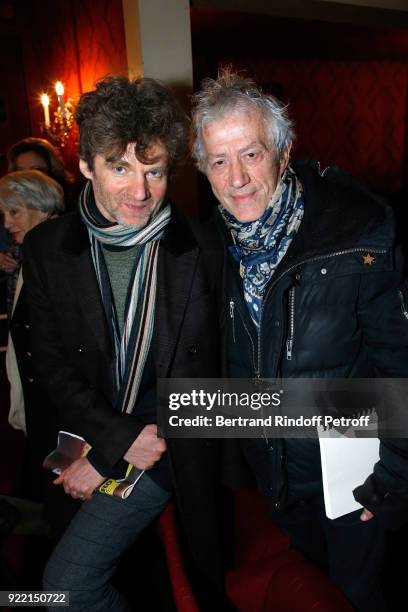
column 403, row 307
column 232, row 316
column 254, row 361
column 291, row 336
column 297, row 265
column 319, row 258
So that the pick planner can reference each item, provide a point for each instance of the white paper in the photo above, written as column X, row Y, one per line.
column 346, row 463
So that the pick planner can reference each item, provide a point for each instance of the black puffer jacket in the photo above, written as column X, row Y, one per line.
column 333, row 308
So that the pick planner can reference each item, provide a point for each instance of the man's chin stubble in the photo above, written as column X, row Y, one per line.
column 135, row 226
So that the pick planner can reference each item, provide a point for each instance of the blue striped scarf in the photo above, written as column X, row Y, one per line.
column 131, row 349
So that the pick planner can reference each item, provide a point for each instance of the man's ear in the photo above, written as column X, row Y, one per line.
column 84, row 168
column 285, row 159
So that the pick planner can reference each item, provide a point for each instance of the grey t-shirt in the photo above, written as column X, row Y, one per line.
column 121, row 263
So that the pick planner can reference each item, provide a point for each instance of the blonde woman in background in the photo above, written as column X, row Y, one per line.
column 27, row 198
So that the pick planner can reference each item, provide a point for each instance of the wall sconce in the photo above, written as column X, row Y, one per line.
column 59, row 128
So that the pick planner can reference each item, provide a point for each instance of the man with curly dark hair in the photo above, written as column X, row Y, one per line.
column 119, row 298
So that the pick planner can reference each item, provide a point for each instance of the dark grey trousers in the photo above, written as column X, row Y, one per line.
column 86, row 557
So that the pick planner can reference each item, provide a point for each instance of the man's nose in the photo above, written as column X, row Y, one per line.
column 238, row 174
column 138, row 187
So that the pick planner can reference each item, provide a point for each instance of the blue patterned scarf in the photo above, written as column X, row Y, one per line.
column 260, row 245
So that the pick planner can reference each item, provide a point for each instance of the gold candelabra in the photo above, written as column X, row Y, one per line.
column 59, row 127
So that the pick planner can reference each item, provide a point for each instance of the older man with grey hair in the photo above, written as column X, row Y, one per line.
column 311, row 291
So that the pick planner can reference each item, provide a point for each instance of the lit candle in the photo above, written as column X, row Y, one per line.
column 59, row 88
column 45, row 101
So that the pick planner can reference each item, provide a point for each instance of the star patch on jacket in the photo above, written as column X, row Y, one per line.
column 368, row 259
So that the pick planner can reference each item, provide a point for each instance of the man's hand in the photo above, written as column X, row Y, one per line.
column 80, row 480
column 146, row 449
column 8, row 263
column 366, row 515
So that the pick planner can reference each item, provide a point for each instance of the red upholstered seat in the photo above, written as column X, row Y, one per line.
column 257, row 537
column 269, row 575
column 168, row 531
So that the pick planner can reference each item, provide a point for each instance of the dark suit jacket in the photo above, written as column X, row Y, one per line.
column 39, row 439
column 72, row 350
column 42, row 429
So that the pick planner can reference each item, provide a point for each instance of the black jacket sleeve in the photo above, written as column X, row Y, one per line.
column 74, row 379
column 385, row 327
